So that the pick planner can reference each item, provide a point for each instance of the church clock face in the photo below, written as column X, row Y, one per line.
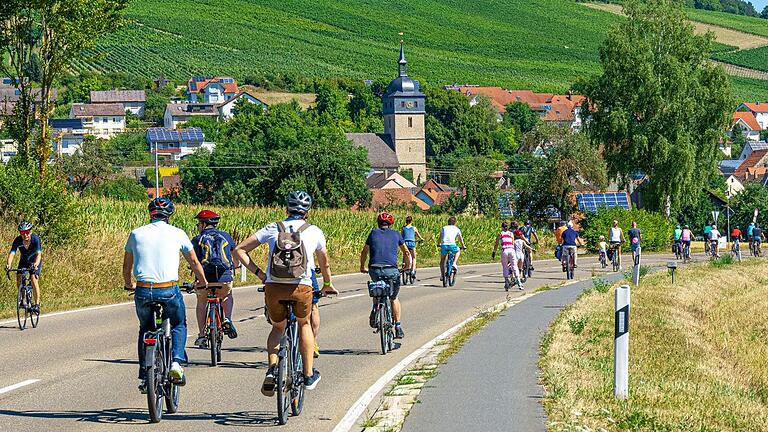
column 410, row 104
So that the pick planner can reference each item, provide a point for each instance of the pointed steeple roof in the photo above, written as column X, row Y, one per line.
column 403, row 85
column 401, row 62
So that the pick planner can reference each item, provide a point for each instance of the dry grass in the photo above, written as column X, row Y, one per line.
column 723, row 35
column 698, row 357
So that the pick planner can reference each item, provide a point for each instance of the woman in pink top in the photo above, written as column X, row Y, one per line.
column 508, row 255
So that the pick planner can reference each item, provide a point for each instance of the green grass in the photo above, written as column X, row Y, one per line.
column 756, row 58
column 749, row 89
column 544, row 45
column 756, row 26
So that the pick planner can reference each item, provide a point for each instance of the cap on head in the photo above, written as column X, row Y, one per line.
column 299, row 202
column 161, row 208
column 25, row 226
column 208, row 217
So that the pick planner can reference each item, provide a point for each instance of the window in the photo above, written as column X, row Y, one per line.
column 402, row 104
column 115, row 119
column 104, row 119
column 410, row 122
column 416, row 103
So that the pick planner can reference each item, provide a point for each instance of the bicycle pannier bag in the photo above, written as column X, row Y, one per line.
column 289, row 258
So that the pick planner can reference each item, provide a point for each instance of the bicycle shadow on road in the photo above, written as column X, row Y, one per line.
column 139, row 417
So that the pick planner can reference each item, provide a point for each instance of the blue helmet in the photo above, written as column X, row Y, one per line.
column 161, row 208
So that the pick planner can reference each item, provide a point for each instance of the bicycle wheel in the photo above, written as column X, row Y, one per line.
column 21, row 309
column 452, row 277
column 391, row 331
column 615, row 261
column 283, row 390
column 446, row 273
column 526, row 264
column 172, row 391
column 412, row 276
column 297, row 395
column 404, row 276
column 383, row 329
column 155, row 374
column 34, row 317
column 213, row 337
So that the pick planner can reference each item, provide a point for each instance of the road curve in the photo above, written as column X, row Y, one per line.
column 77, row 371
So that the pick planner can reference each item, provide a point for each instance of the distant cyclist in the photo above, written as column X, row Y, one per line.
column 676, row 238
column 714, row 240
column 750, row 228
column 506, row 239
column 686, row 236
column 382, row 246
column 289, row 277
column 570, row 245
column 30, row 257
column 214, row 250
column 152, row 257
column 635, row 237
column 616, row 238
column 735, row 234
column 602, row 248
column 410, row 233
column 757, row 237
column 529, row 232
column 448, row 236
column 707, row 230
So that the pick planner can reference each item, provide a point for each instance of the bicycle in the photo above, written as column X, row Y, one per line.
column 450, row 271
column 677, row 249
column 158, row 348
column 570, row 262
column 527, row 272
column 214, row 329
column 615, row 257
column 24, row 310
column 409, row 277
column 736, row 249
column 756, row 249
column 603, row 260
column 381, row 291
column 290, row 368
column 713, row 250
column 687, row 252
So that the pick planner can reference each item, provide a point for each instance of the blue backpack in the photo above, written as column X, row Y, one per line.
column 216, row 258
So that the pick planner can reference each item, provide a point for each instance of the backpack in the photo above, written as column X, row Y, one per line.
column 289, row 258
column 215, row 259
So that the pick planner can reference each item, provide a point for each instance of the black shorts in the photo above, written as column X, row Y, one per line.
column 29, row 264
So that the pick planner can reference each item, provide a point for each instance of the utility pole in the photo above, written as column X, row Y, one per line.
column 157, row 174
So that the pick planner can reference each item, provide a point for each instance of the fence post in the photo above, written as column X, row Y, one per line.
column 636, row 268
column 243, row 273
column 621, row 343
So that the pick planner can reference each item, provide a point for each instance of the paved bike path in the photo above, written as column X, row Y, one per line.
column 491, row 384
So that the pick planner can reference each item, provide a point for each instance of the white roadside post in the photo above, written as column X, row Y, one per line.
column 636, row 268
column 621, row 344
column 243, row 274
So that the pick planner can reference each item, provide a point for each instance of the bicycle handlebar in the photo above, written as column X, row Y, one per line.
column 16, row 270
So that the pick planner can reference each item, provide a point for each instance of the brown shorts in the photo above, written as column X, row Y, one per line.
column 275, row 292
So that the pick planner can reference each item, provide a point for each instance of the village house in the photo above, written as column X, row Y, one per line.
column 176, row 113
column 67, row 135
column 176, row 144
column 211, row 90
column 562, row 110
column 10, row 95
column 134, row 101
column 103, row 120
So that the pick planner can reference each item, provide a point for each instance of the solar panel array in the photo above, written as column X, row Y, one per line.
column 191, row 134
column 590, row 202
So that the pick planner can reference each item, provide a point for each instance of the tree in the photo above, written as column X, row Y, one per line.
column 58, row 31
column 571, row 163
column 128, row 147
column 474, row 177
column 660, row 106
column 754, row 196
column 521, row 116
column 764, row 13
column 738, row 140
column 89, row 165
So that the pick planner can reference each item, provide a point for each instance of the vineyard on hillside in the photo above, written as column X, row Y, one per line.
column 757, row 26
column 754, row 58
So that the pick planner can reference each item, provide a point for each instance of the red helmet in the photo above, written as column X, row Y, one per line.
column 385, row 218
column 209, row 217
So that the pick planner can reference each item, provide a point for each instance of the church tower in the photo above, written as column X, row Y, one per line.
column 404, row 121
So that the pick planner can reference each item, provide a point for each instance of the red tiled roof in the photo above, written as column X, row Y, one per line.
column 757, row 107
column 201, row 85
column 556, row 108
column 750, row 162
column 748, row 118
column 381, row 198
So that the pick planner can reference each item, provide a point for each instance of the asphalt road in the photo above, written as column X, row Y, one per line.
column 85, row 361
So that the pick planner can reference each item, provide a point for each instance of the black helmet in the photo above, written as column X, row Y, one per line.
column 299, row 202
column 161, row 208
column 25, row 226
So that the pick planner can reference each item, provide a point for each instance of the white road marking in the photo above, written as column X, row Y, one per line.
column 350, row 296
column 357, row 409
column 19, row 385
column 477, row 276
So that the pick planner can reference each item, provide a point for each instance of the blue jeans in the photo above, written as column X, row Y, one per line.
column 173, row 308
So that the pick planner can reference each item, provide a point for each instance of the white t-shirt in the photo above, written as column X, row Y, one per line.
column 312, row 238
column 615, row 234
column 714, row 235
column 155, row 248
column 519, row 247
column 448, row 235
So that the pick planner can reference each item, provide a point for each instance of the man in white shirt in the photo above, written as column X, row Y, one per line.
column 152, row 256
column 448, row 236
column 298, row 290
column 714, row 237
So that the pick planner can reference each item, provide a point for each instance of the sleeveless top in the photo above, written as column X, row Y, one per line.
column 409, row 233
column 615, row 234
column 507, row 240
column 519, row 246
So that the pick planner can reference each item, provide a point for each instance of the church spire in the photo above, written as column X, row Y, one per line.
column 401, row 62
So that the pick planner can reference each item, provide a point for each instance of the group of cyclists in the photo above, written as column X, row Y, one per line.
column 711, row 235
column 515, row 241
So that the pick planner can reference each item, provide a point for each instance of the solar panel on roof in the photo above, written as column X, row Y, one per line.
column 591, row 202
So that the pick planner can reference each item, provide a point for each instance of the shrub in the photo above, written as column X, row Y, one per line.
column 657, row 230
column 47, row 204
column 122, row 188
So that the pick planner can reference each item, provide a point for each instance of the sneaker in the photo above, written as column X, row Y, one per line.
column 520, row 286
column 399, row 333
column 506, row 284
column 201, row 342
column 317, row 351
column 310, row 382
column 268, row 387
column 177, row 373
column 372, row 319
column 143, row 386
column 229, row 328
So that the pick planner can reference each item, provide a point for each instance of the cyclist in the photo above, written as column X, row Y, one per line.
column 714, row 237
column 521, row 245
column 602, row 248
column 570, row 244
column 382, row 245
column 448, row 236
column 616, row 238
column 676, row 238
column 635, row 236
column 735, row 237
column 686, row 236
column 707, row 230
column 750, row 227
column 529, row 232
column 508, row 254
column 30, row 256
column 757, row 236
column 214, row 250
column 561, row 227
column 298, row 289
column 152, row 257
column 410, row 233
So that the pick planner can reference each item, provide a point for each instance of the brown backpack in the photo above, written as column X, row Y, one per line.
column 289, row 258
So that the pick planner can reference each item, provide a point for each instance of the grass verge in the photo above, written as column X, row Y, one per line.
column 698, row 357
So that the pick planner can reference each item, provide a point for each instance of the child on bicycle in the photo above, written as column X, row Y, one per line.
column 602, row 249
